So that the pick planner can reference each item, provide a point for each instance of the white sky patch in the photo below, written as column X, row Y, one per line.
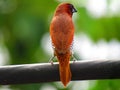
column 1, row 57
column 46, row 44
column 114, row 50
column 4, row 56
column 96, row 8
column 87, row 49
column 114, row 7
column 80, row 85
column 5, row 87
column 47, row 87
column 82, row 45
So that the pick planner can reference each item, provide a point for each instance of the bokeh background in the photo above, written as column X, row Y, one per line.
column 24, row 37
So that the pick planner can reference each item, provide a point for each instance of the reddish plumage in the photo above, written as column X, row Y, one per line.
column 62, row 33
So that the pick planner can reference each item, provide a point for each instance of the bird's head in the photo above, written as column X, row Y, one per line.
column 65, row 8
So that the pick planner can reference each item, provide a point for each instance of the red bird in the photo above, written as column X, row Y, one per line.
column 62, row 33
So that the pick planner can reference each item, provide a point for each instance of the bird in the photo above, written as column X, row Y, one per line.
column 62, row 35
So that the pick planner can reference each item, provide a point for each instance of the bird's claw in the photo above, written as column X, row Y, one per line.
column 51, row 60
column 74, row 58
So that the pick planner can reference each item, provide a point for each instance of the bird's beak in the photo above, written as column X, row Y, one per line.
column 74, row 10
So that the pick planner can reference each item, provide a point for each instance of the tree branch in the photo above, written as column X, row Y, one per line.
column 45, row 72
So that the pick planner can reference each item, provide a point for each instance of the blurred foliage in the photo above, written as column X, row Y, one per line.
column 107, row 85
column 99, row 28
column 24, row 22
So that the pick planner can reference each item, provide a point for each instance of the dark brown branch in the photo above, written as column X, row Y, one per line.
column 45, row 72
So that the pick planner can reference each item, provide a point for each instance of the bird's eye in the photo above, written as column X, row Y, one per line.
column 72, row 9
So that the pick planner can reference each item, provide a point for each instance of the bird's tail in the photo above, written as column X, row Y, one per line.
column 64, row 67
